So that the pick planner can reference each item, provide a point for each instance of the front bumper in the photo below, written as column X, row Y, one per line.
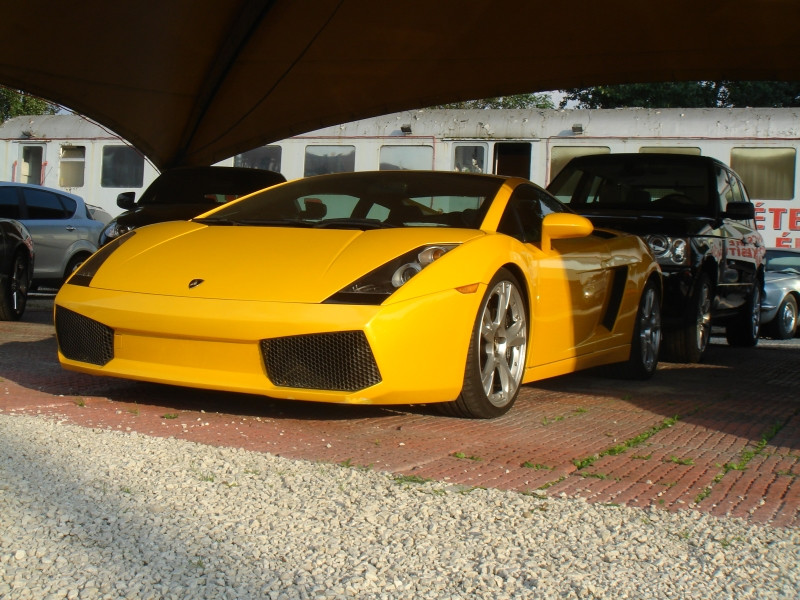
column 418, row 346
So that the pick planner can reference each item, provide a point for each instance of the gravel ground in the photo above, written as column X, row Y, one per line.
column 90, row 513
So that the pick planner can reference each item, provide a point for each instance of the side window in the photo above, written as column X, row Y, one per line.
column 43, row 205
column 522, row 218
column 723, row 189
column 9, row 205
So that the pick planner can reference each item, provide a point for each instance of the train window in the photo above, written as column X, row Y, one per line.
column 404, row 158
column 561, row 155
column 321, row 160
column 768, row 173
column 71, row 167
column 513, row 159
column 32, row 161
column 670, row 150
column 267, row 158
column 123, row 167
column 470, row 158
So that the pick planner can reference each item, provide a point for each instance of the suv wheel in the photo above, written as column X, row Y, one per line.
column 742, row 330
column 688, row 342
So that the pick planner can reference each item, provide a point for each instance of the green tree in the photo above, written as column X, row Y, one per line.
column 14, row 103
column 686, row 94
column 515, row 101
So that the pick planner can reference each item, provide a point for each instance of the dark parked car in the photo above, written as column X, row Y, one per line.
column 16, row 268
column 695, row 214
column 60, row 224
column 182, row 193
column 781, row 293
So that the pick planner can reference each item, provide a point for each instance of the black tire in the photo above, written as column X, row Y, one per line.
column 687, row 343
column 743, row 329
column 497, row 352
column 14, row 292
column 646, row 340
column 74, row 263
column 784, row 325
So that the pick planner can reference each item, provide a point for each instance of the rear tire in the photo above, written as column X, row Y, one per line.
column 14, row 292
column 687, row 343
column 742, row 330
column 646, row 339
column 784, row 325
column 497, row 352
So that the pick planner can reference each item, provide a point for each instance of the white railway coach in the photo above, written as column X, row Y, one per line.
column 761, row 144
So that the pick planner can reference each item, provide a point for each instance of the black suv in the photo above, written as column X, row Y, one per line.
column 185, row 192
column 695, row 214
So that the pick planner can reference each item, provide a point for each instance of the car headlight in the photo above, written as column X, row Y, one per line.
column 379, row 284
column 669, row 250
column 113, row 230
column 87, row 271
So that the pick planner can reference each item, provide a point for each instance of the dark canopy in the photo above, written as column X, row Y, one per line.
column 195, row 81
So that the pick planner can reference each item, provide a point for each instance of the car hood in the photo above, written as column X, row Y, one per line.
column 639, row 224
column 257, row 263
column 158, row 213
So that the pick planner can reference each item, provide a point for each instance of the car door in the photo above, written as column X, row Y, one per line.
column 52, row 231
column 743, row 244
column 572, row 283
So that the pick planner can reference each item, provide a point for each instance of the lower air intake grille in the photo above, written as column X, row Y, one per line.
column 339, row 361
column 83, row 339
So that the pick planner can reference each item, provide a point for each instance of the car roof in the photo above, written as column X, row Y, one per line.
column 645, row 158
column 41, row 187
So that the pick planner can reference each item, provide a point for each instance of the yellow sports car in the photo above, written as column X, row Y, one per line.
column 392, row 287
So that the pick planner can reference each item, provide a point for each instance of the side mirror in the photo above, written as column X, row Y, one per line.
column 127, row 200
column 560, row 226
column 740, row 211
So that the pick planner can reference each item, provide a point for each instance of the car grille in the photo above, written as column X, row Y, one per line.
column 340, row 361
column 83, row 339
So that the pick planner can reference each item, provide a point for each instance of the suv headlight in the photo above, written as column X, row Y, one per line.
column 113, row 230
column 669, row 250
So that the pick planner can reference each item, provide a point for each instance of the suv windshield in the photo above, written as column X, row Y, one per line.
column 640, row 186
column 367, row 201
column 211, row 185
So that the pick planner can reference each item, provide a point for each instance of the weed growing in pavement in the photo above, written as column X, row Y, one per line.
column 550, row 484
column 679, row 461
column 786, row 473
column 642, row 456
column 744, row 458
column 547, row 421
column 411, row 479
column 134, row 411
column 595, row 475
column 169, row 416
column 536, row 466
column 125, row 489
column 462, row 455
column 79, row 402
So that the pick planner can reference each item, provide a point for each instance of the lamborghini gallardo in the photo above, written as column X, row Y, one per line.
column 391, row 287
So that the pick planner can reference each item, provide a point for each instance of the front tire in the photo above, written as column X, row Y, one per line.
column 497, row 352
column 784, row 326
column 14, row 292
column 743, row 329
column 687, row 343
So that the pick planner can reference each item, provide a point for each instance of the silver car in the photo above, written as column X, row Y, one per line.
column 782, row 293
column 63, row 230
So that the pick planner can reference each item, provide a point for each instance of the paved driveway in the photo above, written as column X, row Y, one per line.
column 721, row 437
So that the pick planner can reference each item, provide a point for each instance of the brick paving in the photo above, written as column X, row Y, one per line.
column 721, row 437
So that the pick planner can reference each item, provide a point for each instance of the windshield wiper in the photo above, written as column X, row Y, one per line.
column 217, row 221
column 351, row 223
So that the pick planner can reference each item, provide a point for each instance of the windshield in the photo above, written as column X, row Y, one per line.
column 367, row 201
column 207, row 185
column 785, row 262
column 634, row 185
